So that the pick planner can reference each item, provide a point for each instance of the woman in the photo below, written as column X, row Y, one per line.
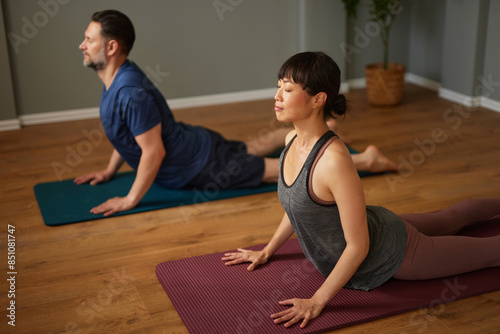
column 351, row 244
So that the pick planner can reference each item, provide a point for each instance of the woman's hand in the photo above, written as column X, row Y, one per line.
column 306, row 309
column 244, row 255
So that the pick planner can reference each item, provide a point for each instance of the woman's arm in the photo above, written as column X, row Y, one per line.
column 337, row 173
column 282, row 234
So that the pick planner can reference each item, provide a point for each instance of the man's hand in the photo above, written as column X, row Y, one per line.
column 94, row 177
column 114, row 205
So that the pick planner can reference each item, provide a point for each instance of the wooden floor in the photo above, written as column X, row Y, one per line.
column 98, row 276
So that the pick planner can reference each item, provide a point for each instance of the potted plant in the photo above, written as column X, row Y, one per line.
column 385, row 80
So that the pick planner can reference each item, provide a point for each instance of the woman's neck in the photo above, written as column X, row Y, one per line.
column 308, row 133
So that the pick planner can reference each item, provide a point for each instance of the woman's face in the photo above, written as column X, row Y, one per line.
column 292, row 102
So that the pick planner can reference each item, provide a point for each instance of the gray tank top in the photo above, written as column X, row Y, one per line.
column 319, row 231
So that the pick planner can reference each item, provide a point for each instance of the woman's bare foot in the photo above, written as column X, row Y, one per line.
column 372, row 160
column 332, row 125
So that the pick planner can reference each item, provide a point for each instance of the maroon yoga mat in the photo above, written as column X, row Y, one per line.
column 213, row 298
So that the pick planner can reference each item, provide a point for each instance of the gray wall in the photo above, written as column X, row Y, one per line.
column 7, row 106
column 324, row 29
column 491, row 71
column 197, row 51
column 202, row 52
column 464, row 44
column 426, row 38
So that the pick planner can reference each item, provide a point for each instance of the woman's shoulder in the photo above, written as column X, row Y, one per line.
column 335, row 158
column 336, row 150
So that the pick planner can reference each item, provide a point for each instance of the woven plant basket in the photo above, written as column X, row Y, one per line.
column 385, row 87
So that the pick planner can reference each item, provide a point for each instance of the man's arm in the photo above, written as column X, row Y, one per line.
column 115, row 162
column 153, row 152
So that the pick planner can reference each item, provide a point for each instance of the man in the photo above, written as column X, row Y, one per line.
column 144, row 133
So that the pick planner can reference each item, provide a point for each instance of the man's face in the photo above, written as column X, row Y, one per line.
column 93, row 47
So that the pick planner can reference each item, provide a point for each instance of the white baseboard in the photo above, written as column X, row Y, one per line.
column 214, row 99
column 344, row 87
column 468, row 101
column 490, row 104
column 359, row 83
column 59, row 116
column 422, row 82
column 176, row 103
column 243, row 96
column 10, row 124
column 447, row 94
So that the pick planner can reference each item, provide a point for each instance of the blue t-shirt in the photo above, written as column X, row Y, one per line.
column 133, row 105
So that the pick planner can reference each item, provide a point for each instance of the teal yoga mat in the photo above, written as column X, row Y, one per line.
column 63, row 202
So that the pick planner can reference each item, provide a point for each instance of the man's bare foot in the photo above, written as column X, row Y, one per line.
column 332, row 125
column 372, row 160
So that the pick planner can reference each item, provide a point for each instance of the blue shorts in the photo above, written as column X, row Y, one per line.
column 229, row 166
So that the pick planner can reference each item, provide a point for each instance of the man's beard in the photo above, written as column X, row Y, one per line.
column 98, row 64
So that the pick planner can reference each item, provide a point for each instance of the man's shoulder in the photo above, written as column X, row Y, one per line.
column 130, row 75
column 132, row 84
column 131, row 81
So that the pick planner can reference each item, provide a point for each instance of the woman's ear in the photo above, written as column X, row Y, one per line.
column 320, row 99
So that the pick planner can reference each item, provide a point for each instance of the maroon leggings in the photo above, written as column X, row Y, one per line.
column 433, row 250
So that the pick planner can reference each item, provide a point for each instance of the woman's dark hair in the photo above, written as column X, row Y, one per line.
column 116, row 25
column 316, row 72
